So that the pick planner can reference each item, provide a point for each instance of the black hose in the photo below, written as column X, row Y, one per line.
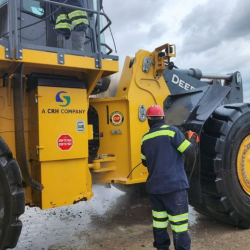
column 189, row 178
column 192, row 171
column 134, row 169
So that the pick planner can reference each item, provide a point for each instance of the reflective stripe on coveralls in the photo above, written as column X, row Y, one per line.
column 75, row 18
column 162, row 214
column 78, row 17
column 160, row 219
column 184, row 146
column 80, row 21
column 174, row 219
column 160, row 224
column 158, row 133
column 178, row 218
column 143, row 157
column 180, row 228
column 166, row 168
column 62, row 22
column 77, row 13
column 164, row 126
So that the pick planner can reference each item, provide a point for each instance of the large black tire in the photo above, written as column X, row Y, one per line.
column 12, row 200
column 221, row 138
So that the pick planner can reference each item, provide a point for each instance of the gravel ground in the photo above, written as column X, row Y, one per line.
column 115, row 220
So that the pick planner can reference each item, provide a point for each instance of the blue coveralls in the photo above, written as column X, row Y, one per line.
column 161, row 152
column 70, row 19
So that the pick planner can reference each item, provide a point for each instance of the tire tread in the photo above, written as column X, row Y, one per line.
column 15, row 197
column 214, row 194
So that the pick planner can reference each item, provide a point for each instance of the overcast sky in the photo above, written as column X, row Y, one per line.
column 212, row 35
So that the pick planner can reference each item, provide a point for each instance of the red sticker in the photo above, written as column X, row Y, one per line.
column 116, row 118
column 65, row 142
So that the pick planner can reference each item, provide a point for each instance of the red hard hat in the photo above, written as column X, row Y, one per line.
column 155, row 110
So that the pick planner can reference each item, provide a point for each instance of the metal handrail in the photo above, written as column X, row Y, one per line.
column 107, row 25
column 9, row 6
column 98, row 32
column 98, row 12
column 15, row 29
column 96, row 35
column 106, row 46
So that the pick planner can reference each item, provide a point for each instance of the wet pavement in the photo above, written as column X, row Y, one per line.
column 116, row 220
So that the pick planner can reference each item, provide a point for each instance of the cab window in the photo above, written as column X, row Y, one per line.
column 2, row 2
column 34, row 7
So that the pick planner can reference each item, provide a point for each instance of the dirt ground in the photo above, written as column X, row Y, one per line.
column 115, row 220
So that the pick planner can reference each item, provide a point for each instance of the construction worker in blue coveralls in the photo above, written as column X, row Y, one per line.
column 161, row 152
column 70, row 22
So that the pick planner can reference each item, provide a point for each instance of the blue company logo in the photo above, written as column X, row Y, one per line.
column 59, row 99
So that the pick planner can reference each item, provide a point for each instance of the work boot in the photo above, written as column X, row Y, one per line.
column 163, row 248
column 61, row 41
column 78, row 40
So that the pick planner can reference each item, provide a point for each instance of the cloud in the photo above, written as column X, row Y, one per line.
column 136, row 25
column 156, row 31
column 212, row 35
column 131, row 15
column 209, row 25
column 238, row 23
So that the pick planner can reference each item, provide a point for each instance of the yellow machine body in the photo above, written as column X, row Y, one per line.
column 59, row 147
column 57, row 132
column 122, row 122
column 46, row 103
column 58, row 136
column 64, row 173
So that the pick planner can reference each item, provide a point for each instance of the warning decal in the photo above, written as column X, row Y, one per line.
column 116, row 118
column 65, row 142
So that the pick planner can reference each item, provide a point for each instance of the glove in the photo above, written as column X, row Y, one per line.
column 193, row 137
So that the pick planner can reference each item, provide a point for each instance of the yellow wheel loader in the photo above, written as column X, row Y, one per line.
column 57, row 137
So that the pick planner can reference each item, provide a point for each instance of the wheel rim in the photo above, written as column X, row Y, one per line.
column 243, row 164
